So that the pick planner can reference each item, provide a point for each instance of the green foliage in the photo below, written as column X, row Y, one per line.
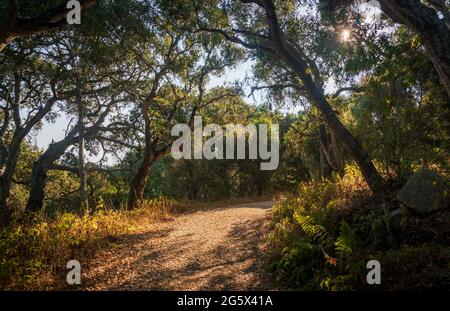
column 346, row 242
column 142, row 54
column 314, row 231
column 323, row 237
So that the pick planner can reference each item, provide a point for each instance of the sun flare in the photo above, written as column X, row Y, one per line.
column 346, row 35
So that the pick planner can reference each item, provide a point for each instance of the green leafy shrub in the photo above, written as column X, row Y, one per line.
column 323, row 237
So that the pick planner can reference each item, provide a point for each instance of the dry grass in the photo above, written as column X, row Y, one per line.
column 34, row 252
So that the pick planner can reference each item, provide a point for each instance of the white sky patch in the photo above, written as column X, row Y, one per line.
column 371, row 11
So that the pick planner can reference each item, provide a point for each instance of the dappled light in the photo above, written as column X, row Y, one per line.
column 254, row 145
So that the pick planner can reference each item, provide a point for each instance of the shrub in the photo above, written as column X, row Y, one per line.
column 35, row 249
column 323, row 237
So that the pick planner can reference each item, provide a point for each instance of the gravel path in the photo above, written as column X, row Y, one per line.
column 218, row 249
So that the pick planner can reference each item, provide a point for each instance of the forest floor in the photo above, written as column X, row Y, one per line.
column 210, row 249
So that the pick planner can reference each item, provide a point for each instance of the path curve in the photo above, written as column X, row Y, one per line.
column 217, row 249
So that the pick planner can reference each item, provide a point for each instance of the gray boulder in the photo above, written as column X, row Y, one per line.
column 425, row 192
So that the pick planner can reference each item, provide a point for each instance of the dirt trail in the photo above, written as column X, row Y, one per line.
column 218, row 249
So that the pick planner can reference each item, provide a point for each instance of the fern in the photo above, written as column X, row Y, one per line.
column 346, row 241
column 315, row 231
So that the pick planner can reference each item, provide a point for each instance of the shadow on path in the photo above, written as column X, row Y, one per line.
column 219, row 249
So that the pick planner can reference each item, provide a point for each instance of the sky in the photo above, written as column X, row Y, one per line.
column 55, row 131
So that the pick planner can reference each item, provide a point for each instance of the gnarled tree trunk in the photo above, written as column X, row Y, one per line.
column 6, row 177
column 40, row 170
column 139, row 181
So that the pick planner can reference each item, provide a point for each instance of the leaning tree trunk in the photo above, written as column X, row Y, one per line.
column 433, row 32
column 366, row 166
column 294, row 59
column 40, row 170
column 318, row 99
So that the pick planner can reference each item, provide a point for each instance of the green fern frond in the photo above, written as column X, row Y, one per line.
column 346, row 242
column 310, row 228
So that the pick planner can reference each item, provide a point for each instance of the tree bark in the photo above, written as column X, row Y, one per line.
column 6, row 177
column 433, row 32
column 15, row 26
column 325, row 169
column 317, row 97
column 139, row 181
column 338, row 156
column 83, row 204
column 325, row 160
column 10, row 155
column 40, row 170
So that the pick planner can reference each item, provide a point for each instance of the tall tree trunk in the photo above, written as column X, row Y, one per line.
column 83, row 204
column 338, row 154
column 325, row 161
column 6, row 177
column 433, row 32
column 139, row 181
column 325, row 169
column 82, row 174
column 296, row 61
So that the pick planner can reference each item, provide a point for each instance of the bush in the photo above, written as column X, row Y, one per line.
column 35, row 249
column 323, row 237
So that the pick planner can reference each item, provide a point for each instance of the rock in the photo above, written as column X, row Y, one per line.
column 425, row 192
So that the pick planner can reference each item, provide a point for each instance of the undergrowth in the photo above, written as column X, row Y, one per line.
column 34, row 250
column 323, row 237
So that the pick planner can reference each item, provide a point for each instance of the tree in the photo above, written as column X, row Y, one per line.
column 430, row 20
column 174, row 92
column 30, row 84
column 266, row 37
column 434, row 31
column 96, row 67
column 37, row 16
